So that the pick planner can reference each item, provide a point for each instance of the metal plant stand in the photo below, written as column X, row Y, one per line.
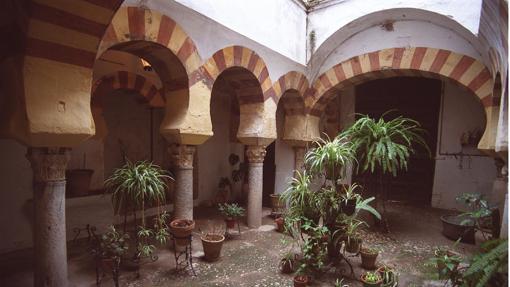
column 228, row 234
column 183, row 259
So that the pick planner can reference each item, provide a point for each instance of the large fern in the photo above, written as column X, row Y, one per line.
column 385, row 145
column 489, row 268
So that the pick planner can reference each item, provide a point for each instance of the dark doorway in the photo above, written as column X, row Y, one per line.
column 269, row 175
column 416, row 98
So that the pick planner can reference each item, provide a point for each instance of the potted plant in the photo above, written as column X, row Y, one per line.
column 369, row 257
column 385, row 146
column 447, row 262
column 181, row 230
column 231, row 212
column 287, row 263
column 134, row 187
column 349, row 199
column 78, row 180
column 353, row 243
column 212, row 242
column 389, row 276
column 108, row 250
column 301, row 280
column 277, row 205
column 280, row 224
column 371, row 279
column 109, row 247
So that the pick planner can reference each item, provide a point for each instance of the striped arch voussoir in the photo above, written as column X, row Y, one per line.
column 235, row 56
column 136, row 24
column 414, row 61
column 292, row 80
column 130, row 81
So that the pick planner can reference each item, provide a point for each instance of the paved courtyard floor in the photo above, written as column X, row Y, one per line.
column 252, row 258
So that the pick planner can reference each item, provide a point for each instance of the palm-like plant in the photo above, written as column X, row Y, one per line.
column 133, row 187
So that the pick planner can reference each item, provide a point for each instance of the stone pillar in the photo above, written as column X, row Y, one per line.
column 50, row 253
column 299, row 158
column 255, row 156
column 182, row 160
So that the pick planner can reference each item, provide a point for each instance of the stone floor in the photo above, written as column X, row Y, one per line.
column 251, row 259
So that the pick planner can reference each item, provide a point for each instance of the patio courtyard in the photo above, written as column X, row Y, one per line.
column 254, row 143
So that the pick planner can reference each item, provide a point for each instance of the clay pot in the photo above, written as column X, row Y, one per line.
column 348, row 207
column 287, row 266
column 367, row 284
column 353, row 245
column 212, row 244
column 301, row 281
column 78, row 181
column 391, row 277
column 231, row 222
column 368, row 259
column 181, row 229
column 280, row 224
column 276, row 203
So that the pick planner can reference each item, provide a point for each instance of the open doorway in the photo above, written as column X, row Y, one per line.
column 416, row 98
column 269, row 171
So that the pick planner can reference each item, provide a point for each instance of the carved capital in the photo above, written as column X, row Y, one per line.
column 48, row 164
column 182, row 155
column 256, row 153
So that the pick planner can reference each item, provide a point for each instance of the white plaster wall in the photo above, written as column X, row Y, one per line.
column 284, row 155
column 326, row 21
column 210, row 36
column 279, row 25
column 405, row 34
column 213, row 154
column 461, row 112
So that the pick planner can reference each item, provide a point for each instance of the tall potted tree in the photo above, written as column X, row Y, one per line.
column 385, row 146
column 135, row 187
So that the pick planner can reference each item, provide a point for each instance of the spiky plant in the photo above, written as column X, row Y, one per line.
column 135, row 186
column 330, row 157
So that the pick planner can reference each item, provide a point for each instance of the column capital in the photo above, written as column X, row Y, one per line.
column 256, row 153
column 182, row 155
column 48, row 163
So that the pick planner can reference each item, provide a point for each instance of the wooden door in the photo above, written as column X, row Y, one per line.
column 416, row 98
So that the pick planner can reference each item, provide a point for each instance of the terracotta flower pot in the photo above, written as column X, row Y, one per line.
column 231, row 222
column 348, row 207
column 353, row 245
column 212, row 244
column 287, row 266
column 181, row 229
column 276, row 203
column 368, row 259
column 301, row 281
column 280, row 224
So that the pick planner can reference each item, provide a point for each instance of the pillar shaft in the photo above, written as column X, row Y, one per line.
column 182, row 159
column 299, row 158
column 50, row 253
column 255, row 156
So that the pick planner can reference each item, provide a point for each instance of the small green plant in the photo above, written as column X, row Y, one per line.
column 110, row 245
column 372, row 277
column 447, row 264
column 340, row 283
column 232, row 210
column 479, row 210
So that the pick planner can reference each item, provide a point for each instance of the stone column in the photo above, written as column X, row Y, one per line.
column 299, row 158
column 50, row 253
column 182, row 160
column 255, row 156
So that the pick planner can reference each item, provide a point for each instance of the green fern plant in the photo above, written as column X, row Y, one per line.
column 385, row 145
column 489, row 268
